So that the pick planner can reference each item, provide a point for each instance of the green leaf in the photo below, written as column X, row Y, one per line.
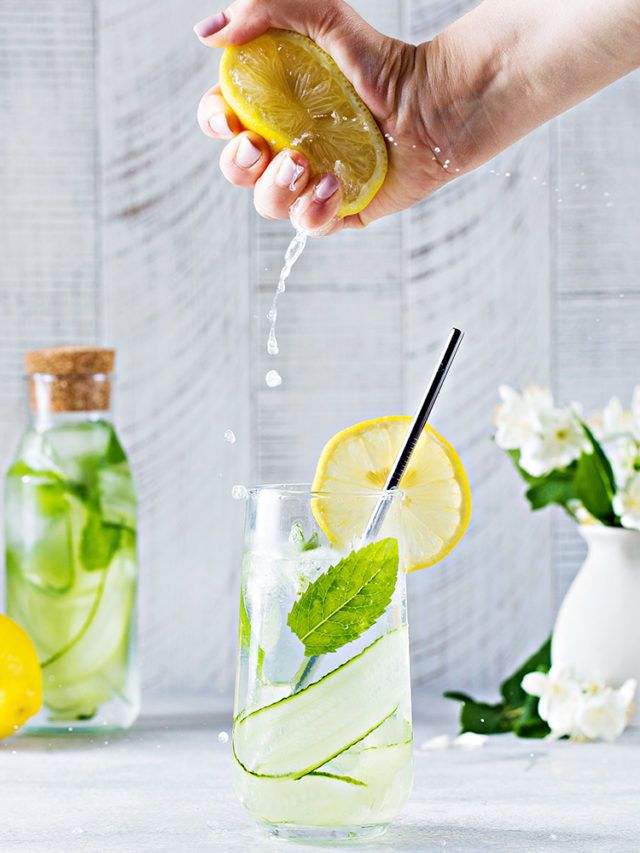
column 480, row 717
column 347, row 599
column 99, row 543
column 594, row 481
column 312, row 542
column 244, row 627
column 555, row 488
column 517, row 712
column 511, row 688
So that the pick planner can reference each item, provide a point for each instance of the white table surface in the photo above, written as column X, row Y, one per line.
column 164, row 786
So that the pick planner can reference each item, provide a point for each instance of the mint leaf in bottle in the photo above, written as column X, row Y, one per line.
column 345, row 601
column 99, row 543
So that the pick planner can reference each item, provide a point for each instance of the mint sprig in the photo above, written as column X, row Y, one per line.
column 347, row 599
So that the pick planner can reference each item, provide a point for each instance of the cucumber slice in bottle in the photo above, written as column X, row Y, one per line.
column 105, row 627
column 302, row 732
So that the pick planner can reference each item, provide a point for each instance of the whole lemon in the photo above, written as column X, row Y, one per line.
column 20, row 677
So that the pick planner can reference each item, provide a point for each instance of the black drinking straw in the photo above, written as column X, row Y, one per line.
column 402, row 460
column 415, row 430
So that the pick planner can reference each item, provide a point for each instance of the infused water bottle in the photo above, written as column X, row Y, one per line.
column 70, row 539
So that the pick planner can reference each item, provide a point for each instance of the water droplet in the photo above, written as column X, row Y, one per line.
column 507, row 174
column 436, row 150
column 223, row 737
column 272, row 342
column 239, row 493
column 230, row 436
column 273, row 378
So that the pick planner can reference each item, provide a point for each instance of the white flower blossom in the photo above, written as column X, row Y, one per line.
column 623, row 453
column 517, row 416
column 626, row 503
column 614, row 420
column 559, row 695
column 604, row 712
column 580, row 710
column 558, row 440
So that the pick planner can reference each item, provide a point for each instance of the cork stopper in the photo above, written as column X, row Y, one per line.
column 69, row 379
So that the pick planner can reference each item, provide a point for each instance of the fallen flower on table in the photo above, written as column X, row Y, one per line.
column 580, row 710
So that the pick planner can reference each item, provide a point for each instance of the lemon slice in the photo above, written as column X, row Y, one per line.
column 284, row 87
column 430, row 516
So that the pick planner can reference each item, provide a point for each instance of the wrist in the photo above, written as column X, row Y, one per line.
column 455, row 98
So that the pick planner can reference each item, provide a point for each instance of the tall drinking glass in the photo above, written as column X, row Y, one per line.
column 322, row 738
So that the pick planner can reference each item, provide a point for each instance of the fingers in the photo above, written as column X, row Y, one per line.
column 317, row 208
column 244, row 159
column 281, row 185
column 215, row 116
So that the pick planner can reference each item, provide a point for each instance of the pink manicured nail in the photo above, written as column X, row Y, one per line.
column 326, row 188
column 247, row 153
column 288, row 173
column 219, row 124
column 211, row 25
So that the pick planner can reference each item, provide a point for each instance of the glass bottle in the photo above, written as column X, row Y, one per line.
column 70, row 540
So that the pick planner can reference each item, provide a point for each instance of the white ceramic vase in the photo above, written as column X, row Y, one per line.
column 597, row 632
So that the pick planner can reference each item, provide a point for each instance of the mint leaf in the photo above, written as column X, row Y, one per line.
column 517, row 712
column 347, row 599
column 99, row 543
column 312, row 542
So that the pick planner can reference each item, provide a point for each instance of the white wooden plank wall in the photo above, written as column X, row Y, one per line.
column 116, row 227
column 175, row 296
column 596, row 270
column 49, row 289
column 339, row 330
column 478, row 258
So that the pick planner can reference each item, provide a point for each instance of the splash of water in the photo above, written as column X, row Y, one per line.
column 294, row 250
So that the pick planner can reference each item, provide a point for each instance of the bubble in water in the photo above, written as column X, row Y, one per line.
column 273, row 379
column 230, row 436
column 239, row 493
column 223, row 737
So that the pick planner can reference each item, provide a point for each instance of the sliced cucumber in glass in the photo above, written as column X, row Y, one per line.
column 302, row 732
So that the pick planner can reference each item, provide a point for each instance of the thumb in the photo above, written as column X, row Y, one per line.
column 332, row 24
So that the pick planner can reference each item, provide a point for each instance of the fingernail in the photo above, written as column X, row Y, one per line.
column 326, row 188
column 219, row 124
column 211, row 25
column 247, row 153
column 288, row 173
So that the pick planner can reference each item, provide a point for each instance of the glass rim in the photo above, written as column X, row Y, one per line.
column 306, row 490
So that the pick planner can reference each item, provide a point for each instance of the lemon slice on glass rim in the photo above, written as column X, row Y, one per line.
column 284, row 87
column 429, row 517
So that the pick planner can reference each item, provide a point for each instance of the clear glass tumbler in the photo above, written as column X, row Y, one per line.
column 322, row 738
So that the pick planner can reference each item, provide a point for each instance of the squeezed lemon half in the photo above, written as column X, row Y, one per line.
column 20, row 678
column 432, row 514
column 284, row 87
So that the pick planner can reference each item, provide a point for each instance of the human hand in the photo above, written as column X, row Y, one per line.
column 387, row 74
